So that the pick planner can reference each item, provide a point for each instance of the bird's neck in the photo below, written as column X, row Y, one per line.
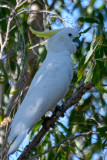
column 58, row 51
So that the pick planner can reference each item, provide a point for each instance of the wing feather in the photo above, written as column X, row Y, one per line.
column 48, row 86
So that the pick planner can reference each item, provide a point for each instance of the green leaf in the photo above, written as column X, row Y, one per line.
column 104, row 44
column 36, row 128
column 42, row 52
column 100, row 88
column 99, row 53
column 87, row 19
column 7, row 88
column 14, row 92
column 82, row 60
column 81, row 71
column 91, row 121
column 90, row 52
column 101, row 18
column 68, row 93
column 96, row 74
column 102, row 59
column 102, row 131
column 86, row 30
column 93, row 46
column 104, row 143
column 101, row 7
column 89, row 75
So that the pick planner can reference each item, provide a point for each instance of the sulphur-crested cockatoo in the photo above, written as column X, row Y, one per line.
column 48, row 86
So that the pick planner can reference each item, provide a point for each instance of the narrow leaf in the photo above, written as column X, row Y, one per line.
column 93, row 48
column 81, row 71
column 102, row 59
column 87, row 19
column 14, row 92
column 96, row 74
column 100, row 88
column 89, row 75
column 86, row 30
column 90, row 52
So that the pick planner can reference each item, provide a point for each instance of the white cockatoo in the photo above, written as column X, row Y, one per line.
column 48, row 86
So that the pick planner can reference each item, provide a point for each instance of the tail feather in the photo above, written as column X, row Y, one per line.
column 16, row 141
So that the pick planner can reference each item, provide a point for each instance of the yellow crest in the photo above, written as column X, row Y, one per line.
column 45, row 33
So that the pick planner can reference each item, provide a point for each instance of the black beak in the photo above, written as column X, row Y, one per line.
column 77, row 41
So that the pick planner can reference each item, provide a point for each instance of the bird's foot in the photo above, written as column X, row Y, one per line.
column 59, row 108
column 45, row 119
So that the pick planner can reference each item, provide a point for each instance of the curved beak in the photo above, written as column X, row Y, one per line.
column 77, row 41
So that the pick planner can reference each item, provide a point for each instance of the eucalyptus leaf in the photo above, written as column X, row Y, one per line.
column 86, row 30
column 81, row 71
column 96, row 74
column 14, row 92
column 87, row 19
column 89, row 75
column 102, row 59
column 90, row 52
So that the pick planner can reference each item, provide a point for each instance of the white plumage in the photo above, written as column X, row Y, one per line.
column 48, row 86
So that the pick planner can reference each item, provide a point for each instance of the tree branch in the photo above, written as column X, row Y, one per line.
column 73, row 99
column 29, row 11
column 71, row 137
column 52, row 5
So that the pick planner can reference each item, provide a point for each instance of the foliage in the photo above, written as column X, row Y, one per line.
column 18, row 64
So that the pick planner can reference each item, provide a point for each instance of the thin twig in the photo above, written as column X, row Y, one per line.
column 8, row 24
column 37, row 45
column 71, row 137
column 52, row 5
column 104, row 85
column 5, row 6
column 18, row 5
column 2, row 19
column 22, row 56
column 26, row 10
column 7, row 35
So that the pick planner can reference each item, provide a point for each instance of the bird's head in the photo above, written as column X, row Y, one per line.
column 61, row 39
column 65, row 39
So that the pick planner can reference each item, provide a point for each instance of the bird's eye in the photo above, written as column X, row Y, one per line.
column 69, row 34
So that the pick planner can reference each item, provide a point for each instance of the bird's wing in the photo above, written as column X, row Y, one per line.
column 47, row 88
